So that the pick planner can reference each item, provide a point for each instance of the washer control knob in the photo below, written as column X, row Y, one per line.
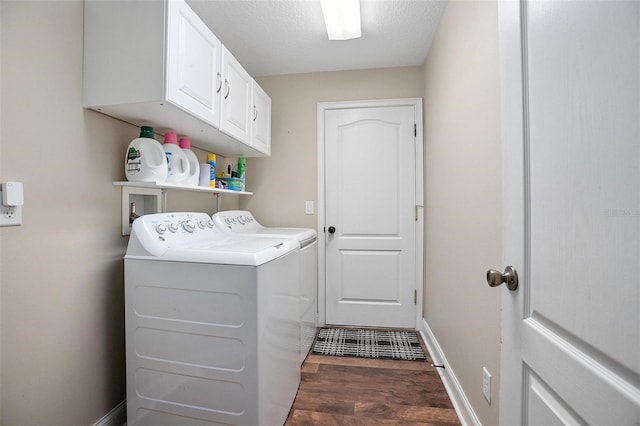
column 202, row 224
column 161, row 228
column 210, row 223
column 189, row 226
column 241, row 220
column 173, row 227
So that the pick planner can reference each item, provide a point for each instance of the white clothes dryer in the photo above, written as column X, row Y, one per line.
column 212, row 334
column 242, row 222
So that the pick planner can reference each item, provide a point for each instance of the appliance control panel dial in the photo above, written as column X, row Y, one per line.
column 189, row 226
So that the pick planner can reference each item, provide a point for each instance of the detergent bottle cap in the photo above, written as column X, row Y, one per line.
column 185, row 143
column 171, row 138
column 146, row 132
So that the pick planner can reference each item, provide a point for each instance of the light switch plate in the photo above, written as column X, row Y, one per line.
column 308, row 207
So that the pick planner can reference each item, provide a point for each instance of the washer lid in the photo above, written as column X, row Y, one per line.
column 235, row 251
column 192, row 237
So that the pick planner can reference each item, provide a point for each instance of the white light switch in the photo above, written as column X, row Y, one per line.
column 308, row 207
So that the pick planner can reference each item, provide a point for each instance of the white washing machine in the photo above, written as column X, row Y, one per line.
column 242, row 222
column 212, row 329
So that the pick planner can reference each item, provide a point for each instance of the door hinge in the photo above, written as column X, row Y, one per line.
column 416, row 213
column 415, row 129
column 415, row 296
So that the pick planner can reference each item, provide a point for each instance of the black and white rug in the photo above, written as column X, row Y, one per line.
column 367, row 343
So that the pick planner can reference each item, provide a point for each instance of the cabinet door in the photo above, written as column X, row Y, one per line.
column 193, row 64
column 261, row 120
column 236, row 106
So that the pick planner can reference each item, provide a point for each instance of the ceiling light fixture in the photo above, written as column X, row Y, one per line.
column 342, row 18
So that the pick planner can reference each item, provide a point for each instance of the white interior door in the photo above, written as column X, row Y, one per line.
column 370, row 175
column 571, row 111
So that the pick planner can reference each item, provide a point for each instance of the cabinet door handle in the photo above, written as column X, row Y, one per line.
column 226, row 84
column 219, row 82
column 255, row 113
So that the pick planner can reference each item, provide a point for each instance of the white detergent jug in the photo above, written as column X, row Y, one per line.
column 194, row 167
column 177, row 162
column 145, row 160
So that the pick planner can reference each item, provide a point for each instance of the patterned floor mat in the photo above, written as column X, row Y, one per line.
column 367, row 343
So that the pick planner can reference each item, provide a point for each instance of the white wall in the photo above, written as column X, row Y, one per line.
column 463, row 196
column 61, row 272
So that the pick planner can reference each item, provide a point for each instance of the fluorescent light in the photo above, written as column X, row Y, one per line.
column 342, row 18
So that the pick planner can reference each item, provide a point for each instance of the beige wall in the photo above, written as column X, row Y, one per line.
column 283, row 182
column 463, row 196
column 61, row 272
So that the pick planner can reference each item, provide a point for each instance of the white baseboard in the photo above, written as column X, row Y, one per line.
column 456, row 394
column 116, row 417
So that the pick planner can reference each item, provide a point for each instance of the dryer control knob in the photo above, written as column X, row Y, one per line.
column 161, row 228
column 202, row 224
column 173, row 227
column 210, row 223
column 188, row 225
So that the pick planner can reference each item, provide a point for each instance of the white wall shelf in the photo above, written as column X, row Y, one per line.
column 151, row 197
column 172, row 187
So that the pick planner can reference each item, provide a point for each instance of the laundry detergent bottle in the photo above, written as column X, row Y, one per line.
column 194, row 166
column 177, row 162
column 145, row 160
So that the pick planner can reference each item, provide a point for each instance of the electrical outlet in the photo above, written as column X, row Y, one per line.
column 11, row 216
column 486, row 384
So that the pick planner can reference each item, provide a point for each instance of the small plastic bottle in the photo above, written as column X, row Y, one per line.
column 177, row 162
column 194, row 166
column 211, row 159
column 242, row 167
column 145, row 160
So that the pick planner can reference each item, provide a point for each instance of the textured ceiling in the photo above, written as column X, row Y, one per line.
column 271, row 37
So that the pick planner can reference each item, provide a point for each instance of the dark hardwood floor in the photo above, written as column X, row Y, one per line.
column 357, row 391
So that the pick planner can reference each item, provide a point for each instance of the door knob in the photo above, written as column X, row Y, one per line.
column 332, row 229
column 510, row 278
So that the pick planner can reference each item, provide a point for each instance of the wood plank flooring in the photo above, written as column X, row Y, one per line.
column 358, row 391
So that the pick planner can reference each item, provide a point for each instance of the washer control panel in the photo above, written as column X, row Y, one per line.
column 236, row 220
column 159, row 232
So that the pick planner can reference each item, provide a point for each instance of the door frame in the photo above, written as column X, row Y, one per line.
column 515, row 181
column 416, row 103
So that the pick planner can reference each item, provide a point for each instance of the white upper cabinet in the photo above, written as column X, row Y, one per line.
column 193, row 57
column 161, row 66
column 236, row 99
column 261, row 120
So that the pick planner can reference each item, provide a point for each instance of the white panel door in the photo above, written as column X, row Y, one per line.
column 370, row 216
column 571, row 162
column 236, row 105
column 193, row 64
